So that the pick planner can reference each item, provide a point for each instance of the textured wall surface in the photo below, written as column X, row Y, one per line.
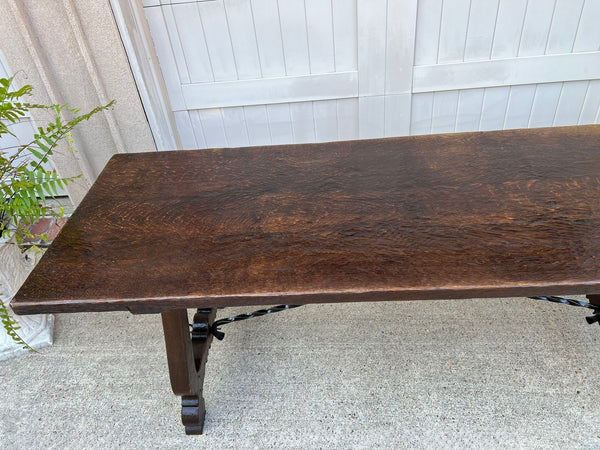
column 71, row 52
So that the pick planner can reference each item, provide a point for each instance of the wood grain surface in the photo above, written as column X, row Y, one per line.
column 422, row 217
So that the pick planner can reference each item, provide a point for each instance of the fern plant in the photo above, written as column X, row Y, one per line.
column 25, row 180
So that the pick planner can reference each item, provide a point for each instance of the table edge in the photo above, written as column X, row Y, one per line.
column 157, row 304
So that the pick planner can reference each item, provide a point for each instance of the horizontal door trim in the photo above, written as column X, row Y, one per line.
column 507, row 72
column 263, row 91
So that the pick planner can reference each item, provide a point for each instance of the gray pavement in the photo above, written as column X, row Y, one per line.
column 494, row 373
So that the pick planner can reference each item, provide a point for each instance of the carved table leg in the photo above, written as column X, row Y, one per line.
column 186, row 355
column 594, row 299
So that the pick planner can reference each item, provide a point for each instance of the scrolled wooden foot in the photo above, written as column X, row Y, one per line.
column 193, row 412
column 186, row 355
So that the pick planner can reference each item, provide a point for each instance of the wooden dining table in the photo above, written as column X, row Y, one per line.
column 451, row 216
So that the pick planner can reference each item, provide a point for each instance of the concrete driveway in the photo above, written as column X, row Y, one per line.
column 494, row 373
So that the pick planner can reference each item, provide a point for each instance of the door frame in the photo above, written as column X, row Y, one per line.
column 137, row 41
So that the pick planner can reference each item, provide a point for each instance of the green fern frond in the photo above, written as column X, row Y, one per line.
column 25, row 181
column 11, row 326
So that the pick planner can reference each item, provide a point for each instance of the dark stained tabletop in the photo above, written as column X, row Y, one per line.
column 423, row 217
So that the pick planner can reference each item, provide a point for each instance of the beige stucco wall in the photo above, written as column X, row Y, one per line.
column 71, row 52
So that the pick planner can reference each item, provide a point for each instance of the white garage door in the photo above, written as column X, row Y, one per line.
column 255, row 72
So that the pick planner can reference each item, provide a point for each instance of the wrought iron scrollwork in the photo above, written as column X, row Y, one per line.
column 200, row 327
column 214, row 329
column 569, row 301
